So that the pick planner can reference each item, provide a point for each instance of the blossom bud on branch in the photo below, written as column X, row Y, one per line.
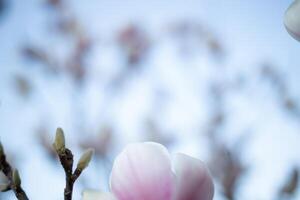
column 66, row 159
column 85, row 159
column 59, row 142
column 13, row 177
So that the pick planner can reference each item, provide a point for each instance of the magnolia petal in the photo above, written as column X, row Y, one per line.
column 96, row 195
column 292, row 20
column 193, row 179
column 143, row 172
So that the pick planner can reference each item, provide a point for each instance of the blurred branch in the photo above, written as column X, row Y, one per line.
column 34, row 53
column 228, row 169
column 289, row 104
column 2, row 6
column 225, row 164
column 102, row 143
column 43, row 139
column 289, row 188
column 23, row 85
column 193, row 34
column 13, row 177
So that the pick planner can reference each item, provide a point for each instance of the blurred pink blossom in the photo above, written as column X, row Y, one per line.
column 143, row 171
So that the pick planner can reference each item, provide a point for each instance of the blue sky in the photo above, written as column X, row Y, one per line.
column 252, row 32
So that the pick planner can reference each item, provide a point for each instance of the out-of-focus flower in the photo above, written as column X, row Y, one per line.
column 102, row 143
column 291, row 185
column 155, row 134
column 23, row 85
column 54, row 2
column 292, row 20
column 134, row 42
column 143, row 171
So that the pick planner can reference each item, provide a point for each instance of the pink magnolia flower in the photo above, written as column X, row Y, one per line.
column 292, row 20
column 143, row 171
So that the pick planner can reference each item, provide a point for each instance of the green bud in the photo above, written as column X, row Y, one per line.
column 4, row 187
column 59, row 142
column 85, row 159
column 16, row 178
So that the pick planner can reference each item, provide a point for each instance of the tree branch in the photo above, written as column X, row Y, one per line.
column 66, row 159
column 12, row 176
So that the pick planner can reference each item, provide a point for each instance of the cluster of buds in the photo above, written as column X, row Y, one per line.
column 66, row 159
column 13, row 177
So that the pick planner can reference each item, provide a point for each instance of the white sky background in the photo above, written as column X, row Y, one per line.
column 253, row 32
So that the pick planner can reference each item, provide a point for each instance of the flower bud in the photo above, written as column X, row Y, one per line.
column 85, row 159
column 292, row 20
column 16, row 178
column 59, row 142
column 4, row 187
